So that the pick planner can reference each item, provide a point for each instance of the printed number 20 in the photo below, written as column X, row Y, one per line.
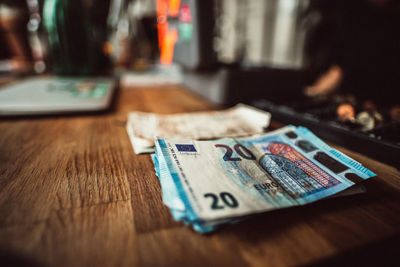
column 240, row 149
column 227, row 199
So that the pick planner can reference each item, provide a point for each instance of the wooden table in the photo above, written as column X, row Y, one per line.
column 73, row 193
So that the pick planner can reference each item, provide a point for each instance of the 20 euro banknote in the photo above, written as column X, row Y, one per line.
column 206, row 183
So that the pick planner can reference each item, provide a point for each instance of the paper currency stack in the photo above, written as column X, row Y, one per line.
column 240, row 120
column 209, row 183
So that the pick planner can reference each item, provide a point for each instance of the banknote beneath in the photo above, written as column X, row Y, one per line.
column 142, row 127
column 208, row 183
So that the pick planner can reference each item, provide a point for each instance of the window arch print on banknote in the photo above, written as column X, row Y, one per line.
column 289, row 176
column 286, row 151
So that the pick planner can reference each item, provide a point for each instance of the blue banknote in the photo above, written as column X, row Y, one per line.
column 209, row 183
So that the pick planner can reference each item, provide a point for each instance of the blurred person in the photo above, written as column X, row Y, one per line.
column 14, row 17
column 357, row 45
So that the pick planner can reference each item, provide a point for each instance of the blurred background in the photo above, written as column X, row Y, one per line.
column 76, row 37
column 278, row 46
column 276, row 49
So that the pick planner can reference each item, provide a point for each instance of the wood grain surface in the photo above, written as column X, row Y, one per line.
column 73, row 193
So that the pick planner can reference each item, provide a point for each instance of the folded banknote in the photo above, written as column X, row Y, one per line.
column 209, row 183
column 240, row 120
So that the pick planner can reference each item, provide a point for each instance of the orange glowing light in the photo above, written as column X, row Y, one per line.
column 166, row 38
column 173, row 7
column 167, row 48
